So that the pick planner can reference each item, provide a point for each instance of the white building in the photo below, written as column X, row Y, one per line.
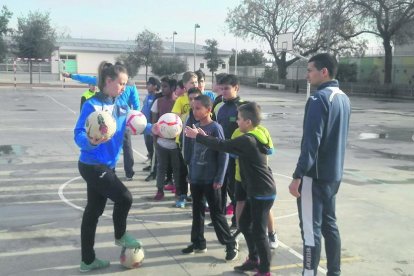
column 83, row 56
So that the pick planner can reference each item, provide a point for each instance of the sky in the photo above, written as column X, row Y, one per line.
column 124, row 19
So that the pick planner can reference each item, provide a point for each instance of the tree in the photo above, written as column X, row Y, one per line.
column 347, row 72
column 5, row 16
column 404, row 35
column 211, row 55
column 131, row 63
column 313, row 30
column 35, row 38
column 246, row 58
column 148, row 49
column 385, row 19
column 169, row 66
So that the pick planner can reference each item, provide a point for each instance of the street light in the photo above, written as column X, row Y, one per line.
column 195, row 37
column 174, row 33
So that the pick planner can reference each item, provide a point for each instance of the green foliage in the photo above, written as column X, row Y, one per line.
column 5, row 16
column 269, row 75
column 347, row 72
column 390, row 20
column 211, row 55
column 131, row 64
column 247, row 58
column 148, row 49
column 169, row 66
column 35, row 37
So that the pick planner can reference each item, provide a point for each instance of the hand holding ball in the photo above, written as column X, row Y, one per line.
column 100, row 127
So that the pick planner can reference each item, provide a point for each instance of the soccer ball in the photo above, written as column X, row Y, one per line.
column 170, row 125
column 132, row 257
column 136, row 122
column 100, row 124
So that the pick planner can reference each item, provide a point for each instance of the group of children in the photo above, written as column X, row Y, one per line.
column 222, row 151
column 213, row 174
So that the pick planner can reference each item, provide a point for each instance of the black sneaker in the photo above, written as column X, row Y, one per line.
column 248, row 265
column 232, row 251
column 210, row 225
column 150, row 177
column 147, row 168
column 273, row 240
column 191, row 249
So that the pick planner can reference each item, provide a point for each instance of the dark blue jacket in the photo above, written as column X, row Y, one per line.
column 325, row 132
column 208, row 166
column 225, row 113
column 106, row 153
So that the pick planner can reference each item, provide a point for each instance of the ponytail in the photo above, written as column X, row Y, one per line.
column 108, row 70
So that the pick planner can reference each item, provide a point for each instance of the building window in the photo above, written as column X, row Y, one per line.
column 223, row 66
column 202, row 65
column 71, row 57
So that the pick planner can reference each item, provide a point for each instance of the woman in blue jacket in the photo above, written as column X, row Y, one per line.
column 131, row 95
column 97, row 162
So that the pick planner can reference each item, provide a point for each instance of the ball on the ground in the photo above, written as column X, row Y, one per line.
column 136, row 122
column 170, row 125
column 100, row 124
column 132, row 257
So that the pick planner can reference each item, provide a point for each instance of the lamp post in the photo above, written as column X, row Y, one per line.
column 235, row 60
column 195, row 38
column 174, row 33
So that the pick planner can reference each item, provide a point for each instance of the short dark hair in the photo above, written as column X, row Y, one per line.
column 200, row 74
column 251, row 111
column 180, row 84
column 219, row 77
column 154, row 81
column 231, row 79
column 325, row 60
column 172, row 83
column 194, row 90
column 205, row 101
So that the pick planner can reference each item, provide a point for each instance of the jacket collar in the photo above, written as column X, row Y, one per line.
column 332, row 83
column 234, row 100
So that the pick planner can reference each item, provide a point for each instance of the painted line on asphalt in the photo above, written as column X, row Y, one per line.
column 61, row 104
column 68, row 202
column 299, row 265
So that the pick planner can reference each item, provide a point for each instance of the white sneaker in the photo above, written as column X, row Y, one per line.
column 273, row 241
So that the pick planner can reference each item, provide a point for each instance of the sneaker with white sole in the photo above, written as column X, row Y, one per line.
column 96, row 264
column 128, row 241
column 273, row 241
column 232, row 252
column 180, row 203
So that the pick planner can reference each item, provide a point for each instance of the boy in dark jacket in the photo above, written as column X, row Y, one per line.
column 206, row 175
column 260, row 186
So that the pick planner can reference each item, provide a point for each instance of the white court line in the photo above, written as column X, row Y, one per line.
column 140, row 154
column 61, row 104
column 290, row 250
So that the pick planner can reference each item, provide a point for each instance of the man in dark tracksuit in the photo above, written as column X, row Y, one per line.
column 319, row 169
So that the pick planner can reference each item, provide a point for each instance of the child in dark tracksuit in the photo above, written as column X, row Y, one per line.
column 206, row 174
column 260, row 186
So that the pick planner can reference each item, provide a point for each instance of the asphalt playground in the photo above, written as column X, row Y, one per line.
column 42, row 195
